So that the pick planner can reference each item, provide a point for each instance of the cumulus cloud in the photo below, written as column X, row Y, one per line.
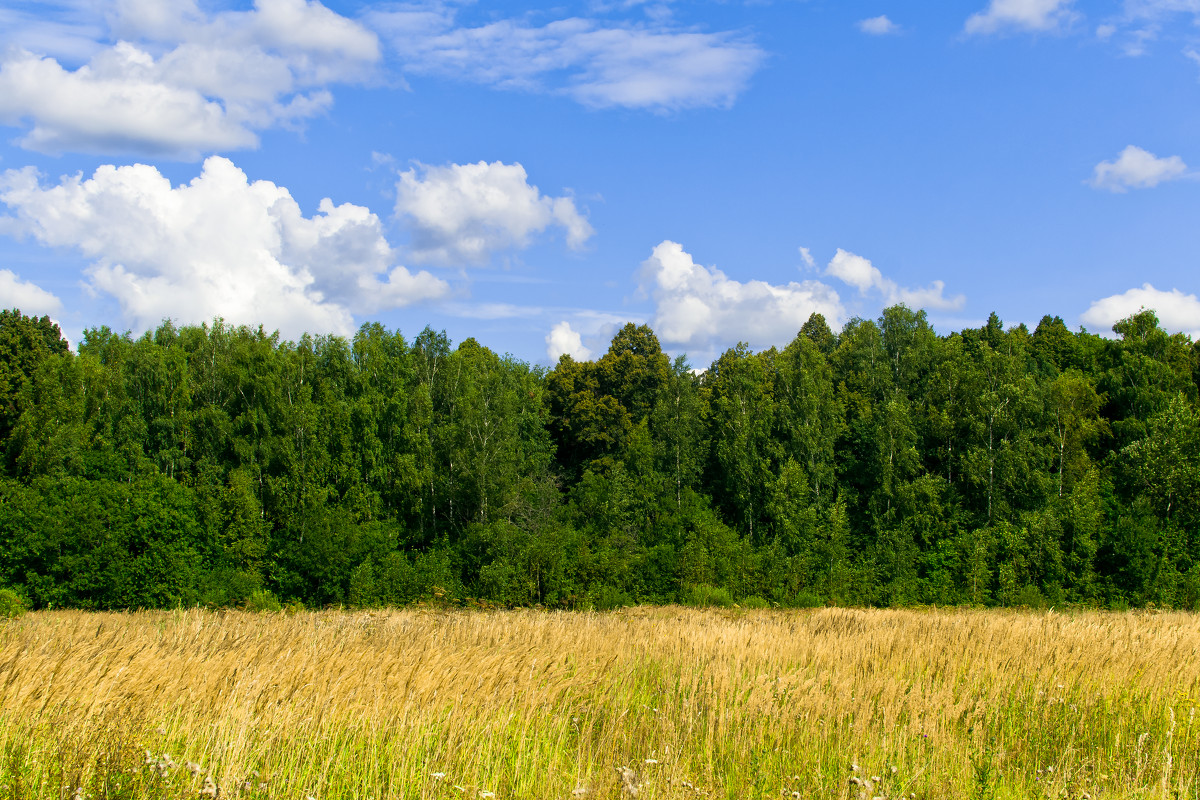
column 878, row 26
column 563, row 340
column 596, row 64
column 106, row 108
column 217, row 246
column 29, row 297
column 1177, row 312
column 1136, row 168
column 178, row 83
column 702, row 309
column 860, row 273
column 461, row 213
column 1025, row 15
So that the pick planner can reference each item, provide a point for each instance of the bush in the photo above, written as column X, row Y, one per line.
column 705, row 596
column 263, row 600
column 293, row 607
column 807, row 598
column 754, row 601
column 228, row 587
column 609, row 598
column 12, row 605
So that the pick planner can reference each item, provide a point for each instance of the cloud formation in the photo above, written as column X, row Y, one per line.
column 29, row 297
column 174, row 82
column 1142, row 23
column 878, row 26
column 1136, row 168
column 462, row 213
column 597, row 64
column 217, row 246
column 702, row 309
column 1177, row 312
column 1021, row 15
column 860, row 273
column 563, row 340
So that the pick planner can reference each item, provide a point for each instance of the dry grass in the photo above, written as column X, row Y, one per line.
column 523, row 704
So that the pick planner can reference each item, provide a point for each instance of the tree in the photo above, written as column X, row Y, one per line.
column 809, row 414
column 25, row 342
column 1145, row 369
column 497, row 434
column 586, row 423
column 1164, row 467
column 678, row 429
column 817, row 331
column 1053, row 346
column 1074, row 407
column 635, row 371
column 738, row 391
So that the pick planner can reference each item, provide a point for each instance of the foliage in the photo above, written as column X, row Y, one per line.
column 12, row 605
column 261, row 600
column 881, row 465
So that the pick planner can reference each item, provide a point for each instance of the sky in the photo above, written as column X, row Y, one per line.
column 535, row 177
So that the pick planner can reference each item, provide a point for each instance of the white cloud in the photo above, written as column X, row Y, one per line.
column 460, row 214
column 177, row 83
column 95, row 110
column 473, row 310
column 1153, row 9
column 860, row 273
column 562, row 340
column 1027, row 15
column 1144, row 22
column 217, row 246
column 1136, row 168
column 1177, row 312
column 29, row 297
column 878, row 26
column 64, row 29
column 806, row 254
column 702, row 309
column 598, row 65
column 854, row 270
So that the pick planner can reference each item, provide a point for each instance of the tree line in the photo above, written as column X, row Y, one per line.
column 882, row 465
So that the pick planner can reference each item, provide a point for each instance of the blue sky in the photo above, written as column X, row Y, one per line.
column 535, row 177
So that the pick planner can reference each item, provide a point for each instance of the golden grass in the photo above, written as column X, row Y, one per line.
column 523, row 704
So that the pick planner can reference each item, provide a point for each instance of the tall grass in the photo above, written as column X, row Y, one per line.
column 525, row 704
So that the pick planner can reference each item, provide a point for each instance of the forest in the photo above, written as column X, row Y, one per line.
column 885, row 465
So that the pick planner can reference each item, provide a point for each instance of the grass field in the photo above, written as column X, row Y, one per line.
column 648, row 702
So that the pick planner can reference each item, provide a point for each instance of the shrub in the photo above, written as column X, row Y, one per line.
column 263, row 600
column 12, row 605
column 609, row 597
column 704, row 595
column 807, row 598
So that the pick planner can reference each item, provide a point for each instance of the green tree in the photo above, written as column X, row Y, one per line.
column 678, row 429
column 1144, row 370
column 25, row 342
column 817, row 331
column 738, row 390
column 1074, row 408
column 808, row 415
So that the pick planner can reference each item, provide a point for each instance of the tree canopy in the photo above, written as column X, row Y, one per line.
column 882, row 465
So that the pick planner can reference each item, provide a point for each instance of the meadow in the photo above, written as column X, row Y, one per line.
column 664, row 702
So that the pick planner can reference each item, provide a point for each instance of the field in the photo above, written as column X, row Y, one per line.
column 647, row 702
